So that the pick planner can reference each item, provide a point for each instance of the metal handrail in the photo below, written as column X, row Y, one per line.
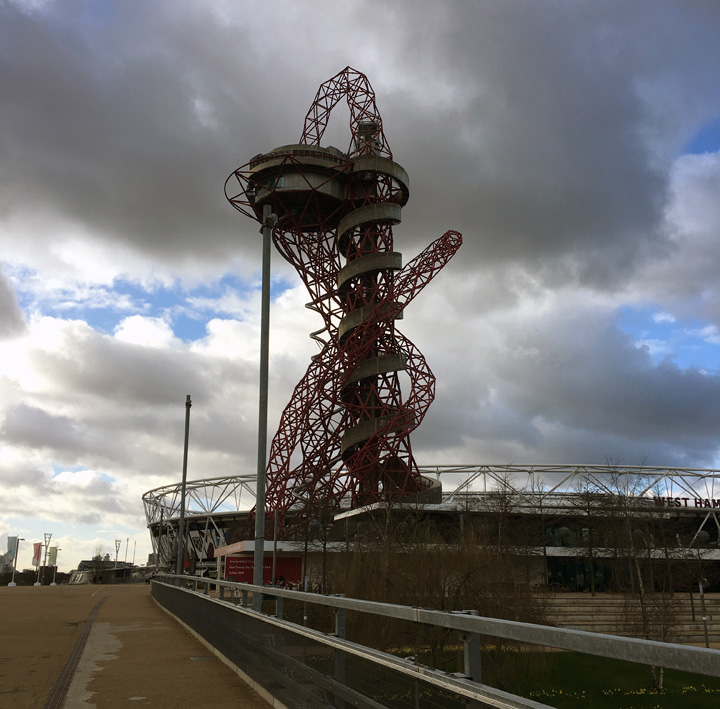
column 455, row 683
column 650, row 652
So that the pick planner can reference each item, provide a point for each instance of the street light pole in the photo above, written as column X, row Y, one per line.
column 17, row 546
column 269, row 221
column 274, row 564
column 181, row 525
column 55, row 567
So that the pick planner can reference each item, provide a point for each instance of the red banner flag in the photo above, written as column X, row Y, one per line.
column 37, row 553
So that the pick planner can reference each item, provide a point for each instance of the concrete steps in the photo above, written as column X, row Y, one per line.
column 669, row 618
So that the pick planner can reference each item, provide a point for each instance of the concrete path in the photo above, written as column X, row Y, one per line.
column 134, row 653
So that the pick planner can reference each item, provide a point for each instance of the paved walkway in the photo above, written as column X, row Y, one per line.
column 134, row 655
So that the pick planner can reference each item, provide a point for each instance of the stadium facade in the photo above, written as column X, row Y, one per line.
column 569, row 527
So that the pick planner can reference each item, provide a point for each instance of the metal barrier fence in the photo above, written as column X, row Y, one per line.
column 303, row 667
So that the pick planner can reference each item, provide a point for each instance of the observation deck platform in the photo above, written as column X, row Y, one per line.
column 133, row 653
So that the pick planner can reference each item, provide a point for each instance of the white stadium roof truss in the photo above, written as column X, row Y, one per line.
column 535, row 485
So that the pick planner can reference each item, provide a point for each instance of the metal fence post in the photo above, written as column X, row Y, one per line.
column 279, row 607
column 340, row 622
column 704, row 612
column 472, row 666
column 244, row 602
column 340, row 629
column 471, row 652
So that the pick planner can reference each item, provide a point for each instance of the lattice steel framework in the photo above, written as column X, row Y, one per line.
column 346, row 430
column 207, row 502
column 534, row 488
column 207, row 496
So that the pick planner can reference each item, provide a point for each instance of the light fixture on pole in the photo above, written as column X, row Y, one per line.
column 53, row 563
column 17, row 546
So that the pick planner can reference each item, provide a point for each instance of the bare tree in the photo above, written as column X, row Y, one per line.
column 411, row 555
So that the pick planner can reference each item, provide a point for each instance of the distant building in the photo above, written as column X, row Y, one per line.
column 102, row 570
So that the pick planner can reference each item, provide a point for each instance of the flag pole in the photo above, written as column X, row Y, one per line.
column 48, row 537
column 17, row 547
column 37, row 564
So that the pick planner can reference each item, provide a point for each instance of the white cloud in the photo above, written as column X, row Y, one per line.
column 663, row 318
column 710, row 334
column 145, row 331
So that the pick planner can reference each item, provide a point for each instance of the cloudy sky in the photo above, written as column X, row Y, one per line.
column 576, row 145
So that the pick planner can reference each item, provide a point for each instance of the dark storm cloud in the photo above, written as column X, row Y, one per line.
column 28, row 426
column 138, row 393
column 122, row 404
column 100, row 367
column 688, row 283
column 12, row 318
column 539, row 147
column 603, row 382
column 570, row 386
column 12, row 475
column 524, row 128
column 81, row 439
column 125, row 118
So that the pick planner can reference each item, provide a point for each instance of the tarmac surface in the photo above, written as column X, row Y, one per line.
column 133, row 654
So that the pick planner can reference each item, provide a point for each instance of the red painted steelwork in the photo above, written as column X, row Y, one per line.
column 346, row 431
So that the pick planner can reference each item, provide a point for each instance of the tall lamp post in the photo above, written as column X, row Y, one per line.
column 17, row 546
column 269, row 221
column 181, row 525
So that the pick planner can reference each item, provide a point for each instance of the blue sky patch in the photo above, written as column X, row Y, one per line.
column 686, row 343
column 60, row 468
column 104, row 307
column 706, row 140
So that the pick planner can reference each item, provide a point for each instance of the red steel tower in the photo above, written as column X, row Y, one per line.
column 346, row 431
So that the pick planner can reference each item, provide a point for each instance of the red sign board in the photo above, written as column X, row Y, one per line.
column 240, row 568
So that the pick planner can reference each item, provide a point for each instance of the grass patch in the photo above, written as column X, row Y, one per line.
column 569, row 680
